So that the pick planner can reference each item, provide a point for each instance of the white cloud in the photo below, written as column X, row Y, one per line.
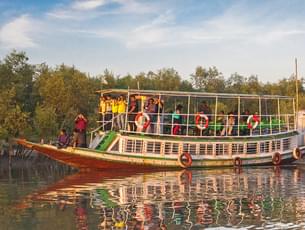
column 79, row 9
column 135, row 7
column 87, row 4
column 18, row 33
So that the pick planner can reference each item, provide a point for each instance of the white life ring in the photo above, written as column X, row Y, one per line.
column 139, row 124
column 249, row 122
column 198, row 123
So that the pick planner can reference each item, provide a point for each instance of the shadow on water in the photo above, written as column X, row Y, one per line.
column 49, row 195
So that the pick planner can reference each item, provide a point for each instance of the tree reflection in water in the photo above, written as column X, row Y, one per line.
column 258, row 197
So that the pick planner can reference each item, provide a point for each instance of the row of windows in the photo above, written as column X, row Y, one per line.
column 155, row 147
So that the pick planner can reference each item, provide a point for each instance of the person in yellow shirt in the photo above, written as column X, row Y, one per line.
column 102, row 109
column 108, row 113
column 121, row 112
column 114, row 109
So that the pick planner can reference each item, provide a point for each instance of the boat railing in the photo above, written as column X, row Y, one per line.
column 204, row 125
column 102, row 127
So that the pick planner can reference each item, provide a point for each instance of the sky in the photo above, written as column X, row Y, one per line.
column 250, row 37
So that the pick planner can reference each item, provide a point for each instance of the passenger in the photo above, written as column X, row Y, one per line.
column 114, row 110
column 204, row 109
column 221, row 120
column 236, row 123
column 246, row 115
column 244, row 118
column 81, row 126
column 177, row 120
column 63, row 139
column 256, row 117
column 102, row 110
column 160, row 116
column 231, row 123
column 150, row 109
column 81, row 123
column 121, row 112
column 132, row 113
column 108, row 115
column 78, row 139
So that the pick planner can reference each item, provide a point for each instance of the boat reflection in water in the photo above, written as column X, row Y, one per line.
column 253, row 198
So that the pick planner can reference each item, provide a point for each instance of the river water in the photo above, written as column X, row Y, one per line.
column 46, row 195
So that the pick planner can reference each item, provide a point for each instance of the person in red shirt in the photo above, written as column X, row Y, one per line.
column 81, row 126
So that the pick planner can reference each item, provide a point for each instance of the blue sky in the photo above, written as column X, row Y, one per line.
column 130, row 36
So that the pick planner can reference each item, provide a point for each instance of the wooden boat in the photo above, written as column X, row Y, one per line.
column 263, row 129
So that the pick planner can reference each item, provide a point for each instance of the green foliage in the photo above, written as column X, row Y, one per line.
column 15, row 72
column 67, row 92
column 45, row 122
column 12, row 119
column 208, row 80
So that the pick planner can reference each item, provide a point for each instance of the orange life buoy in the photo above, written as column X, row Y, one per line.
column 276, row 158
column 237, row 162
column 297, row 154
column 146, row 123
column 255, row 118
column 198, row 121
column 185, row 160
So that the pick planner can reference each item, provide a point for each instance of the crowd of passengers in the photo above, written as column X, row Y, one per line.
column 114, row 111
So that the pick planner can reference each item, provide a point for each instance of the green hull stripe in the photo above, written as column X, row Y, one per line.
column 213, row 139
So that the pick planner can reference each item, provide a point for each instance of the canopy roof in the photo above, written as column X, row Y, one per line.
column 192, row 94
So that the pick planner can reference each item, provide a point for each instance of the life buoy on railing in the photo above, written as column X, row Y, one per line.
column 276, row 158
column 297, row 154
column 198, row 119
column 185, row 160
column 237, row 162
column 251, row 118
column 138, row 123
